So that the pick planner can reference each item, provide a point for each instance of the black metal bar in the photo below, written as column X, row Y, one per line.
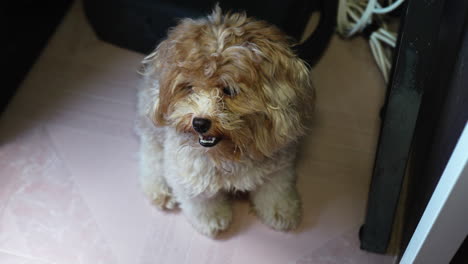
column 443, row 114
column 412, row 69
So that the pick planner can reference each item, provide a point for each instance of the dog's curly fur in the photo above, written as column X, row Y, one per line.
column 243, row 76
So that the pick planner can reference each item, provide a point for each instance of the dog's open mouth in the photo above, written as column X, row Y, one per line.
column 208, row 141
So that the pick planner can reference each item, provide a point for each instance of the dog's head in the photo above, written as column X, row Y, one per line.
column 232, row 83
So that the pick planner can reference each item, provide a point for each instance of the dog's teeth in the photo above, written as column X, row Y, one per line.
column 208, row 140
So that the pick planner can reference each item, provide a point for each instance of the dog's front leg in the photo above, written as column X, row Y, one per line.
column 208, row 215
column 152, row 174
column 277, row 202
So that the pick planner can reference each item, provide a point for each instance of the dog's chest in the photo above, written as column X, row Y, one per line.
column 194, row 170
column 199, row 175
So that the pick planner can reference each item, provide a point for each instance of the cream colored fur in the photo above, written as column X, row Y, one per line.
column 259, row 131
column 172, row 172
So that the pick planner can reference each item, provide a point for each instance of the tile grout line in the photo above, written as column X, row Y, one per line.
column 78, row 189
column 16, row 254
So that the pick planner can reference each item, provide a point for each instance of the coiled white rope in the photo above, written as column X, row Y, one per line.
column 355, row 15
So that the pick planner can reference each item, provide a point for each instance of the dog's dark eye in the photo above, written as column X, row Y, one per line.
column 188, row 87
column 228, row 91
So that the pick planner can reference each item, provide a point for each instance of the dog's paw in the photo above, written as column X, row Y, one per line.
column 280, row 213
column 164, row 201
column 161, row 196
column 212, row 220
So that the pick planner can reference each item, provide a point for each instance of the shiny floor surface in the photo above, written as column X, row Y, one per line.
column 68, row 167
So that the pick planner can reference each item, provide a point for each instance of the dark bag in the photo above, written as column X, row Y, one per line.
column 140, row 25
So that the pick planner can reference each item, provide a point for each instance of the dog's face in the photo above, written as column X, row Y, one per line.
column 232, row 84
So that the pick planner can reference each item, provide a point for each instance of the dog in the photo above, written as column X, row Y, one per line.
column 223, row 103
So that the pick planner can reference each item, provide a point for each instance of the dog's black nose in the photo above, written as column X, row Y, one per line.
column 201, row 125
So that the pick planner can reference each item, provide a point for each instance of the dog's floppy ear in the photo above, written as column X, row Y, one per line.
column 289, row 95
column 293, row 98
column 157, row 70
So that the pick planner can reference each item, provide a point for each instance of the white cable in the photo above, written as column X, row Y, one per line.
column 376, row 41
column 366, row 19
column 355, row 15
column 380, row 36
column 351, row 7
column 377, row 53
column 388, row 34
column 389, row 8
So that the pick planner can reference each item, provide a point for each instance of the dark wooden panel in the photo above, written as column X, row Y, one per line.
column 413, row 68
column 430, row 83
column 443, row 117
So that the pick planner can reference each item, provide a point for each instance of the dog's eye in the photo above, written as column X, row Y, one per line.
column 188, row 87
column 228, row 91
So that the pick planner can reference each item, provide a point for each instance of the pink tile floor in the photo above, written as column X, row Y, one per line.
column 68, row 167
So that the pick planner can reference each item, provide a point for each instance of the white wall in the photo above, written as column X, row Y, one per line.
column 444, row 224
